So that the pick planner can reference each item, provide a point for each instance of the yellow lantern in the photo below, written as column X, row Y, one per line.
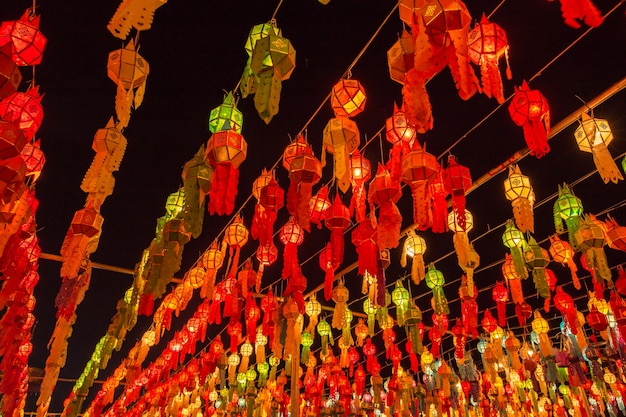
column 467, row 257
column 312, row 308
column 341, row 137
column 519, row 191
column 541, row 327
column 414, row 247
column 594, row 135
column 246, row 350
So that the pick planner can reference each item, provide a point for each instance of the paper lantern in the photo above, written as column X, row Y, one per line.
column 325, row 332
column 418, row 168
column 347, row 98
column 590, row 241
column 329, row 264
column 530, row 109
column 86, row 224
column 340, row 295
column 565, row 304
column 129, row 71
column 489, row 322
column 593, row 136
column 341, row 137
column 562, row 252
column 400, row 57
column 225, row 151
column 360, row 173
column 614, row 234
column 400, row 297
column 318, row 205
column 24, row 109
column 574, row 11
column 292, row 235
column 226, row 116
column 271, row 198
column 457, row 180
column 514, row 239
column 364, row 240
column 27, row 41
column 537, row 259
column 519, row 191
column 305, row 170
column 266, row 255
column 337, row 221
column 567, row 208
column 487, row 43
column 435, row 281
column 211, row 261
column 414, row 247
column 313, row 308
column 500, row 295
column 384, row 191
column 468, row 259
column 10, row 75
column 12, row 141
column 235, row 236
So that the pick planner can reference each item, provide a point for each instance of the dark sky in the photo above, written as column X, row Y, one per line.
column 195, row 51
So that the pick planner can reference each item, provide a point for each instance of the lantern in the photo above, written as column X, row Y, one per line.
column 457, row 181
column 340, row 297
column 530, row 109
column 565, row 304
column 384, row 191
column 513, row 279
column 401, row 135
column 537, row 259
column 593, row 136
column 590, row 240
column 361, row 332
column 211, row 261
column 337, row 221
column 418, row 168
column 307, row 342
column 24, row 109
column 500, row 295
column 584, row 10
column 270, row 200
column 540, row 327
column 614, row 234
column 305, row 170
column 469, row 308
column 414, row 247
column 313, row 308
column 27, row 42
column 341, row 137
column 10, row 75
column 468, row 258
column 488, row 322
column 292, row 235
column 360, row 172
column 400, row 57
column 435, row 281
column 12, row 141
column 562, row 252
column 400, row 297
column 347, row 98
column 325, row 332
column 514, row 239
column 226, row 116
column 364, row 240
column 568, row 208
column 329, row 265
column 487, row 43
column 266, row 255
column 260, row 341
column 225, row 151
column 519, row 191
column 370, row 309
column 318, row 204
column 34, row 159
column 86, row 224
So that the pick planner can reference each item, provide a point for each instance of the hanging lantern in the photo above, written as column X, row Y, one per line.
column 34, row 159
column 489, row 322
column 364, row 240
column 341, row 137
column 340, row 296
column 318, row 205
column 468, row 258
column 226, row 116
column 225, row 151
column 435, row 281
column 414, row 247
column 235, row 236
column 292, row 235
column 337, row 221
column 401, row 135
column 86, row 224
column 271, row 199
column 370, row 309
column 469, row 308
column 537, row 259
column 360, row 173
column 400, row 297
column 513, row 279
column 10, row 75
column 325, row 332
column 384, row 191
column 519, row 191
column 400, row 57
column 568, row 208
column 565, row 304
column 514, row 239
column 305, row 170
column 266, row 255
column 347, row 98
column 590, row 241
column 418, row 168
column 530, row 109
column 614, row 234
column 291, row 313
column 313, row 308
column 211, row 261
column 562, row 252
column 27, row 42
column 457, row 181
column 500, row 295
column 575, row 10
column 24, row 109
column 540, row 327
column 594, row 135
column 328, row 263
column 487, row 43
column 12, row 141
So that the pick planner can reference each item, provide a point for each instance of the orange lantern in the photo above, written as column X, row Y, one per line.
column 27, row 41
column 400, row 57
column 562, row 252
column 530, row 109
column 305, row 170
column 364, row 240
column 519, row 191
column 360, row 172
column 318, row 205
column 235, row 236
column 457, row 181
column 593, row 136
column 271, row 199
column 329, row 264
column 487, row 43
column 614, row 234
column 266, row 255
column 347, row 98
column 129, row 71
column 500, row 295
column 418, row 168
column 25, row 109
column 384, row 191
column 291, row 235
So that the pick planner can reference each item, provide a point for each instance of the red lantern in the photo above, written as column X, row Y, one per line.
column 292, row 235
column 487, row 43
column 337, row 221
column 318, row 205
column 384, row 192
column 596, row 320
column 360, row 172
column 305, row 170
column 266, row 255
column 271, row 199
column 328, row 263
column 27, row 42
column 500, row 295
column 457, row 181
column 523, row 312
column 530, row 109
column 488, row 322
column 575, row 10
column 10, row 76
column 615, row 234
column 25, row 109
column 418, row 168
column 364, row 239
column 565, row 304
column 400, row 57
column 12, row 141
column 252, row 314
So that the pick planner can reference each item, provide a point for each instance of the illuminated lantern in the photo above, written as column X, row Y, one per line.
column 235, row 236
column 514, row 239
column 565, row 304
column 468, row 258
column 24, row 109
column 305, row 170
column 27, row 42
column 519, row 191
column 347, row 98
column 318, row 204
column 567, row 208
column 487, row 43
column 361, row 331
column 500, row 295
column 328, row 263
column 269, row 305
column 252, row 314
column 593, row 136
column 489, row 322
column 340, row 297
column 233, row 361
column 460, row 339
column 10, row 75
column 337, row 221
column 457, row 180
column 260, row 341
column 435, row 281
column 590, row 240
column 541, row 327
column 414, row 247
column 401, row 135
column 530, row 109
column 292, row 235
column 313, row 308
column 306, row 342
column 341, row 137
column 12, row 141
column 296, row 148
column 384, row 191
column 575, row 10
column 360, row 172
column 325, row 332
column 364, row 240
column 211, row 261
column 418, row 168
column 513, row 278
column 225, row 151
column 370, row 309
column 614, row 234
column 400, row 297
column 469, row 308
column 438, row 203
column 86, row 224
column 226, row 116
column 400, row 58
column 271, row 199
column 523, row 311
column 537, row 259
column 266, row 255
column 562, row 252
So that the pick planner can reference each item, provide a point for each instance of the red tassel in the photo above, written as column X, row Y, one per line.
column 501, row 309
column 416, row 101
column 146, row 305
column 574, row 10
column 290, row 260
column 389, row 224
column 214, row 313
column 536, row 138
column 223, row 189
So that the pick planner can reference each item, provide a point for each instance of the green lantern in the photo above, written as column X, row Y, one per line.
column 307, row 341
column 537, row 259
column 226, row 116
column 567, row 208
column 435, row 280
column 370, row 309
column 175, row 203
column 325, row 331
column 400, row 297
column 513, row 238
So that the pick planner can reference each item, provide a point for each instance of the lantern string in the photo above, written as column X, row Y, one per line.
column 276, row 10
column 495, row 9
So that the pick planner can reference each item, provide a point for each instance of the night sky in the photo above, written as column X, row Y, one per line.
column 196, row 52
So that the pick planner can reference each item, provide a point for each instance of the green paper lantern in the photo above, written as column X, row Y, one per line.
column 226, row 116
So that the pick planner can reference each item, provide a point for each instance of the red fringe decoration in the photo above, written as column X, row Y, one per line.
column 389, row 224
column 223, row 189
column 366, row 248
column 585, row 10
column 298, row 197
column 416, row 101
column 146, row 305
column 536, row 138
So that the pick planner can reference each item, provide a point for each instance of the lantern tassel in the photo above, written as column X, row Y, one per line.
column 536, row 136
column 416, row 101
column 223, row 189
column 459, row 63
column 605, row 164
column 523, row 214
column 574, row 10
column 389, row 224
column 422, row 215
